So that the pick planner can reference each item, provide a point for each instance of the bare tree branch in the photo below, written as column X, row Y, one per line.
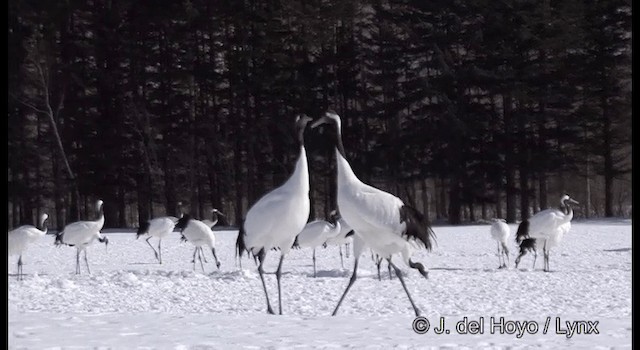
column 27, row 104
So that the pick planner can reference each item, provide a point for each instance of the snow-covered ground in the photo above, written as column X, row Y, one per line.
column 130, row 301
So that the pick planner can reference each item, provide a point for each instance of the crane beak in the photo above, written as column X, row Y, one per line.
column 320, row 121
column 573, row 201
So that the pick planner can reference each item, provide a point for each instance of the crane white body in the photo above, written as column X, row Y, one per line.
column 160, row 228
column 198, row 234
column 548, row 227
column 345, row 237
column 315, row 234
column 380, row 220
column 81, row 234
column 276, row 218
column 500, row 232
column 21, row 237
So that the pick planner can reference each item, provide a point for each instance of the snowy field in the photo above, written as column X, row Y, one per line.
column 130, row 301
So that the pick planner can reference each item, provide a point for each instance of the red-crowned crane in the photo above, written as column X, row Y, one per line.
column 21, row 237
column 315, row 234
column 382, row 221
column 500, row 232
column 199, row 234
column 275, row 220
column 159, row 227
column 345, row 237
column 548, row 226
column 81, row 234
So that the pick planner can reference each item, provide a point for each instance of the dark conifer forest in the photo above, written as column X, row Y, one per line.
column 467, row 110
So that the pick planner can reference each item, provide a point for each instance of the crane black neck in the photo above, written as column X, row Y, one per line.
column 43, row 225
column 566, row 208
column 338, row 142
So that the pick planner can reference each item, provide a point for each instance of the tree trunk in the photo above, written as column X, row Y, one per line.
column 122, row 207
column 455, row 206
column 509, row 159
column 607, row 154
column 425, row 198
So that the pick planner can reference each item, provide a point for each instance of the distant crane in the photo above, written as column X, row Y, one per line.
column 345, row 237
column 548, row 226
column 21, row 237
column 199, row 234
column 81, row 234
column 159, row 227
column 315, row 234
column 500, row 232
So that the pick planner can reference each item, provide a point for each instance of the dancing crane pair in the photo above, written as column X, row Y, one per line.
column 380, row 220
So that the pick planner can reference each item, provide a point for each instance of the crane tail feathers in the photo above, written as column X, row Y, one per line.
column 240, row 244
column 418, row 226
column 350, row 233
column 58, row 240
column 144, row 228
column 527, row 244
column 523, row 231
column 295, row 244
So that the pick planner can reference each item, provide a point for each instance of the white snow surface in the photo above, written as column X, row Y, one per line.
column 131, row 302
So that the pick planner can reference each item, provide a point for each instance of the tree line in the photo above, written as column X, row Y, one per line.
column 465, row 109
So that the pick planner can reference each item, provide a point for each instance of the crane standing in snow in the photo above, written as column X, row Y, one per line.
column 215, row 213
column 81, row 234
column 159, row 227
column 199, row 234
column 345, row 237
column 548, row 226
column 275, row 220
column 21, row 237
column 500, row 232
column 315, row 234
column 380, row 220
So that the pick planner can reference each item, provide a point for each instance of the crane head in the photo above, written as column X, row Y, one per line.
column 144, row 228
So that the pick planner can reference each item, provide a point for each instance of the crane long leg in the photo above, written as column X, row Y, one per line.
column 341, row 260
column 261, row 256
column 389, row 268
column 314, row 262
column 77, row 261
column 202, row 254
column 86, row 261
column 545, row 251
column 399, row 274
column 194, row 258
column 154, row 249
column 351, row 281
column 200, row 257
column 346, row 250
column 213, row 250
column 499, row 256
column 535, row 257
column 378, row 262
column 505, row 250
column 160, row 250
column 20, row 268
column 278, row 276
